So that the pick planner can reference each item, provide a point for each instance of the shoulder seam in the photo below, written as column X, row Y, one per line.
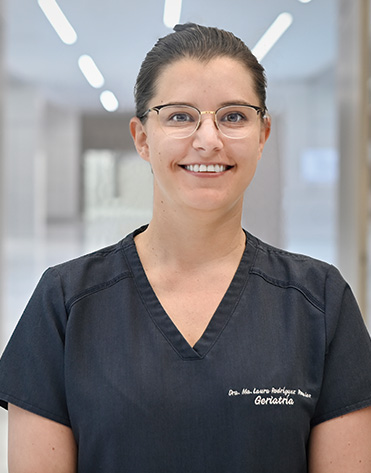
column 266, row 248
column 287, row 285
column 98, row 287
column 102, row 253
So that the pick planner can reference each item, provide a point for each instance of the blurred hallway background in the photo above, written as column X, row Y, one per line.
column 71, row 181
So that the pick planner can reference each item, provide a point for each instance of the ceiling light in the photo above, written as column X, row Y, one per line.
column 272, row 35
column 172, row 12
column 109, row 101
column 305, row 1
column 91, row 72
column 58, row 21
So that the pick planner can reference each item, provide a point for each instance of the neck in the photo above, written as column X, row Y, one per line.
column 192, row 238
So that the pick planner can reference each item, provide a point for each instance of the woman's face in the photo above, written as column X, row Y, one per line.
column 206, row 86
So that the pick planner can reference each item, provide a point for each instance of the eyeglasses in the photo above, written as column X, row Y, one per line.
column 181, row 121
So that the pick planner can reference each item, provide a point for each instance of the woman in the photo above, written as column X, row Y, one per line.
column 191, row 345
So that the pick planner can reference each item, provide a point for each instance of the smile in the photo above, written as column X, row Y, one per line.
column 206, row 167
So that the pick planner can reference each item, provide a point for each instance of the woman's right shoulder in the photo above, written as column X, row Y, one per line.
column 84, row 273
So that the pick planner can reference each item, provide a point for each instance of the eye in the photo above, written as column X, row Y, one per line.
column 180, row 117
column 233, row 117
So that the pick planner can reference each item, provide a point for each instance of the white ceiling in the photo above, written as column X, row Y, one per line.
column 118, row 33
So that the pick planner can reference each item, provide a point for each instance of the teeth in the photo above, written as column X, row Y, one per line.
column 206, row 168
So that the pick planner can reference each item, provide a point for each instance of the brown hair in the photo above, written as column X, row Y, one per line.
column 196, row 42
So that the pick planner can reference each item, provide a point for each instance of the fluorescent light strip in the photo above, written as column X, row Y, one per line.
column 272, row 35
column 58, row 21
column 172, row 12
column 109, row 101
column 91, row 72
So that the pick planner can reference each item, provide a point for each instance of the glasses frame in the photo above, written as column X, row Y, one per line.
column 157, row 109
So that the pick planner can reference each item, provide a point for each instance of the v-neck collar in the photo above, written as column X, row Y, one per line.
column 163, row 322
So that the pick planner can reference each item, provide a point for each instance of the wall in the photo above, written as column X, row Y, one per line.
column 62, row 135
column 25, row 183
column 307, row 121
column 106, row 131
column 2, row 169
column 262, row 214
column 42, row 162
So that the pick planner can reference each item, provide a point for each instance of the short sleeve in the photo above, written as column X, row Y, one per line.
column 32, row 365
column 346, row 384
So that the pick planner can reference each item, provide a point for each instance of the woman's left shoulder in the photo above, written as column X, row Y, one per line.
column 288, row 269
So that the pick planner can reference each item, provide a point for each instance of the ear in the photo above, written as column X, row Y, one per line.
column 139, row 135
column 264, row 133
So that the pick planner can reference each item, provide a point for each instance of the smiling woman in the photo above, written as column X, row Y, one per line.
column 191, row 345
column 198, row 140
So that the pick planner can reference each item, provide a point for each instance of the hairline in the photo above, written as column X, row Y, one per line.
column 204, row 59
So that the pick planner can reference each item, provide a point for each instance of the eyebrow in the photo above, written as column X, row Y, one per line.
column 237, row 102
column 223, row 104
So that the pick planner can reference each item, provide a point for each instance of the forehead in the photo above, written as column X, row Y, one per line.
column 219, row 80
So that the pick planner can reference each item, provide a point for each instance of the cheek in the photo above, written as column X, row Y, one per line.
column 166, row 152
column 255, row 148
column 246, row 151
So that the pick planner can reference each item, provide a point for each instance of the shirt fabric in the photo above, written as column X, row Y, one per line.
column 285, row 350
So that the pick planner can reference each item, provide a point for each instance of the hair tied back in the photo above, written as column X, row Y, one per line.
column 185, row 26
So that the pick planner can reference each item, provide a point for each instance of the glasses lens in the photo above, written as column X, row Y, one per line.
column 178, row 121
column 236, row 121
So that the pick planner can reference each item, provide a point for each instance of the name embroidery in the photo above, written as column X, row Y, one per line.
column 271, row 396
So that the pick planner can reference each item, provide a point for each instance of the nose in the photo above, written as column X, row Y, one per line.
column 207, row 136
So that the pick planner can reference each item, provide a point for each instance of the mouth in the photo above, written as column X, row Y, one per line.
column 206, row 168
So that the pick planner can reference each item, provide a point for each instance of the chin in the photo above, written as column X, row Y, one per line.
column 214, row 204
